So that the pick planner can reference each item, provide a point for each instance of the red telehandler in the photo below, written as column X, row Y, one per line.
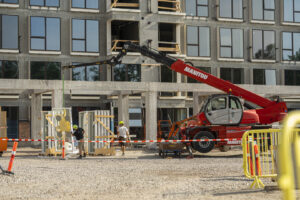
column 222, row 115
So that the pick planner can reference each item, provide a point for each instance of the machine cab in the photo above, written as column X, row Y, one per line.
column 223, row 110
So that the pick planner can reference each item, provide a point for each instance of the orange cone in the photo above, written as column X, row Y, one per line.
column 13, row 153
column 257, row 160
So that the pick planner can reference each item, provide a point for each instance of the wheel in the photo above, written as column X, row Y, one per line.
column 204, row 147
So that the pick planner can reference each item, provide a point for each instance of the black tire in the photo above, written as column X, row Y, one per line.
column 204, row 147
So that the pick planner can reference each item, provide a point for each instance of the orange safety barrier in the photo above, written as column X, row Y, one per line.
column 257, row 160
column 13, row 154
column 63, row 150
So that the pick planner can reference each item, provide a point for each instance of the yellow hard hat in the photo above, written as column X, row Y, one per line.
column 121, row 122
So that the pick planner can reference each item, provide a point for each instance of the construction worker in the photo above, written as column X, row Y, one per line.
column 79, row 133
column 123, row 135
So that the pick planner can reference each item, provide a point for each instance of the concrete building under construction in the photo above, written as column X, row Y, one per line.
column 255, row 43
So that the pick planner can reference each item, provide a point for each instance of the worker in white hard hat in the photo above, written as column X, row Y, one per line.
column 123, row 135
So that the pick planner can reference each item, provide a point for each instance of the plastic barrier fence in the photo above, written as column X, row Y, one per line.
column 260, row 154
column 289, row 156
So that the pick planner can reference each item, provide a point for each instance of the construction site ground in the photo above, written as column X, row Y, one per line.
column 140, row 174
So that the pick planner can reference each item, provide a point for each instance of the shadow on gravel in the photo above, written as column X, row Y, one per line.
column 218, row 156
column 239, row 192
column 231, row 178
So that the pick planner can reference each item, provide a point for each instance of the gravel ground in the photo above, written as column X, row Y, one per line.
column 137, row 175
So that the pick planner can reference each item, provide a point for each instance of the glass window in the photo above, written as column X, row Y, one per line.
column 45, row 70
column 291, row 11
column 196, row 8
column 263, row 10
column 263, row 44
column 86, row 73
column 291, row 46
column 9, row 1
column 198, row 41
column 231, row 43
column 9, row 69
column 45, row 34
column 48, row 3
column 264, row 77
column 89, row 4
column 234, row 75
column 292, row 77
column 9, row 32
column 127, row 72
column 231, row 9
column 85, row 35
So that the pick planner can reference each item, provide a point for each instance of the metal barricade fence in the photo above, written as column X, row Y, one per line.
column 289, row 156
column 260, row 154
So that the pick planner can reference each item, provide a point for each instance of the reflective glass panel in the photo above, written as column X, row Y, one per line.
column 202, row 11
column 52, row 3
column 237, row 9
column 204, row 41
column 78, row 45
column 257, row 9
column 78, row 29
column 78, row 3
column 10, row 32
column 53, row 34
column 53, row 71
column 192, row 50
column 37, row 2
column 92, row 36
column 92, row 73
column 225, row 52
column 78, row 74
column 287, row 40
column 237, row 43
column 269, row 4
column 190, row 7
column 92, row 4
column 296, row 37
column 37, row 44
column 225, row 35
column 10, row 1
column 270, row 77
column 225, row 8
column 38, row 26
column 288, row 10
column 192, row 35
column 257, row 44
column 269, row 45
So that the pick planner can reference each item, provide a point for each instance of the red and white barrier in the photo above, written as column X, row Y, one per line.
column 133, row 141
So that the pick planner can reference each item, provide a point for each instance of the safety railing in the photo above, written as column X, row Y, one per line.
column 118, row 44
column 172, row 47
column 260, row 154
column 169, row 5
column 117, row 4
column 289, row 156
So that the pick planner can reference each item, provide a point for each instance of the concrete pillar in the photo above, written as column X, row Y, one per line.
column 57, row 99
column 151, row 118
column 36, row 116
column 196, row 107
column 123, row 109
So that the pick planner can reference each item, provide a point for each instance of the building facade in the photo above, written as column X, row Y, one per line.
column 255, row 43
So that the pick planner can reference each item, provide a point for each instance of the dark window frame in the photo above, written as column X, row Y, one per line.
column 231, row 46
column 1, row 1
column 263, row 42
column 1, row 32
column 198, row 45
column 45, row 37
column 126, row 73
column 3, row 66
column 85, row 35
column 292, row 50
column 294, row 11
column 232, row 74
column 263, row 11
column 84, row 6
column 45, row 70
column 45, row 4
column 294, row 78
column 85, row 72
column 231, row 12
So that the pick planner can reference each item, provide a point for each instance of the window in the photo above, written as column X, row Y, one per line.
column 45, row 34
column 48, row 3
column 198, row 41
column 264, row 77
column 9, row 69
column 45, row 70
column 86, row 73
column 291, row 11
column 89, row 4
column 127, row 72
column 9, row 32
column 263, row 44
column 263, row 10
column 196, row 8
column 167, row 76
column 291, row 46
column 231, row 44
column 292, row 77
column 85, row 35
column 9, row 1
column 234, row 75
column 231, row 9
